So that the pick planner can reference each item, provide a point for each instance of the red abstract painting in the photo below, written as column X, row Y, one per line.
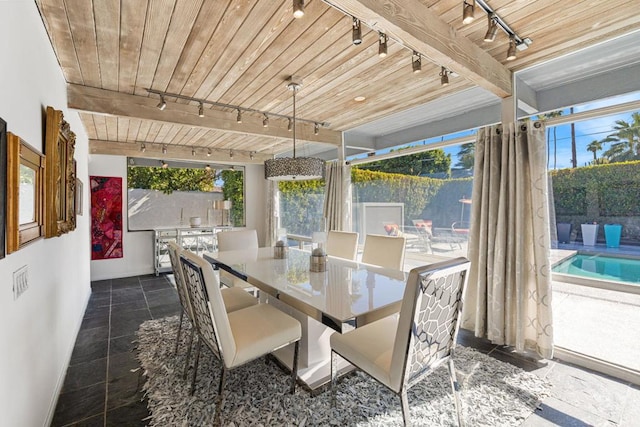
column 106, row 217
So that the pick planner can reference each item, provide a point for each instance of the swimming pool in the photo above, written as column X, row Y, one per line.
column 600, row 267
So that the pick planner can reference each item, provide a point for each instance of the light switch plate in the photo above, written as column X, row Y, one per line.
column 20, row 281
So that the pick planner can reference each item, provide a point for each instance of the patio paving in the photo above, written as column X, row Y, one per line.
column 598, row 323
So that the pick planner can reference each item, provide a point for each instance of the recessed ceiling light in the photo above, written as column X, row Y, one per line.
column 359, row 98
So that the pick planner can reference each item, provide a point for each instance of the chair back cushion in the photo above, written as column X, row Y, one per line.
column 429, row 318
column 237, row 239
column 342, row 244
column 174, row 256
column 208, row 307
column 384, row 251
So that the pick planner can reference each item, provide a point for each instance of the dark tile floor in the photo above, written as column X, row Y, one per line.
column 103, row 382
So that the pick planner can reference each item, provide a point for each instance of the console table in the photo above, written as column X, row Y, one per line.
column 195, row 239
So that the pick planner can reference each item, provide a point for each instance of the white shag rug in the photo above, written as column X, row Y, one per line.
column 493, row 393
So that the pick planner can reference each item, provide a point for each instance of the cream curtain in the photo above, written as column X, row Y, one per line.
column 337, row 196
column 273, row 212
column 508, row 297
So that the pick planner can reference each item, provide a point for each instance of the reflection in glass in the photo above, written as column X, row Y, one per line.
column 27, row 207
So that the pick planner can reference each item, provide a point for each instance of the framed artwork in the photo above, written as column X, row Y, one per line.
column 106, row 217
column 79, row 196
column 60, row 176
column 25, row 185
column 3, row 185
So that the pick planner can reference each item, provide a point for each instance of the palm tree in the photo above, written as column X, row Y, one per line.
column 625, row 141
column 574, row 153
column 594, row 146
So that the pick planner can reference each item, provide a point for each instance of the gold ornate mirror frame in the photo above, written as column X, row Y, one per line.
column 25, row 170
column 60, row 176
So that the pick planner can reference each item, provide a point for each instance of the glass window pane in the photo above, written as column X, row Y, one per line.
column 418, row 196
column 182, row 196
column 301, row 206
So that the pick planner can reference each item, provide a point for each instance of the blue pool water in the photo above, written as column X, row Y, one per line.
column 601, row 267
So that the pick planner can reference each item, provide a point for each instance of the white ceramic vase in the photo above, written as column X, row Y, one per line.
column 589, row 234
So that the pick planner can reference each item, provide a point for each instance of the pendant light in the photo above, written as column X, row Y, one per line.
column 294, row 168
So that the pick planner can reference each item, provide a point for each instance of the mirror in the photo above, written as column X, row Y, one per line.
column 60, row 176
column 28, row 191
column 25, row 170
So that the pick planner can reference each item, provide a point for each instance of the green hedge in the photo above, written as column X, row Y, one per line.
column 301, row 202
column 424, row 198
column 599, row 191
column 301, row 205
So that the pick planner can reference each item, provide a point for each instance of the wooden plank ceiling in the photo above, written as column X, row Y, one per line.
column 240, row 53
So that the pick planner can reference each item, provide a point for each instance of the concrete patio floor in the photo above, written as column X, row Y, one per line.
column 597, row 323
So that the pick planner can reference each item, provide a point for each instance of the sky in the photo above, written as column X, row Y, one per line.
column 586, row 132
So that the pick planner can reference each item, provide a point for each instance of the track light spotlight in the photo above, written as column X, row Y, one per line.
column 416, row 62
column 251, row 155
column 511, row 52
column 143, row 148
column 356, row 33
column 382, row 44
column 164, row 164
column 208, row 152
column 231, row 154
column 193, row 152
column 207, row 168
column 298, row 8
column 162, row 104
column 239, row 118
column 290, row 125
column 444, row 76
column 164, row 149
column 316, row 128
column 201, row 110
column 492, row 28
column 468, row 11
column 265, row 121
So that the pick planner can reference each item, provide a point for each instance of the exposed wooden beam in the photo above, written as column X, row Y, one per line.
column 417, row 27
column 100, row 101
column 175, row 152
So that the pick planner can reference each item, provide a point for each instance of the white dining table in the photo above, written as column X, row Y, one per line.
column 345, row 296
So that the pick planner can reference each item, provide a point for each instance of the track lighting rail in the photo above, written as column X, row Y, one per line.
column 518, row 42
column 238, row 108
column 521, row 43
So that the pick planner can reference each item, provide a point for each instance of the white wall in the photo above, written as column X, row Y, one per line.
column 38, row 330
column 138, row 245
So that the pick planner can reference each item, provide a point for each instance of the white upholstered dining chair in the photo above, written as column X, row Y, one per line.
column 234, row 299
column 237, row 239
column 241, row 336
column 234, row 240
column 399, row 351
column 342, row 244
column 384, row 251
